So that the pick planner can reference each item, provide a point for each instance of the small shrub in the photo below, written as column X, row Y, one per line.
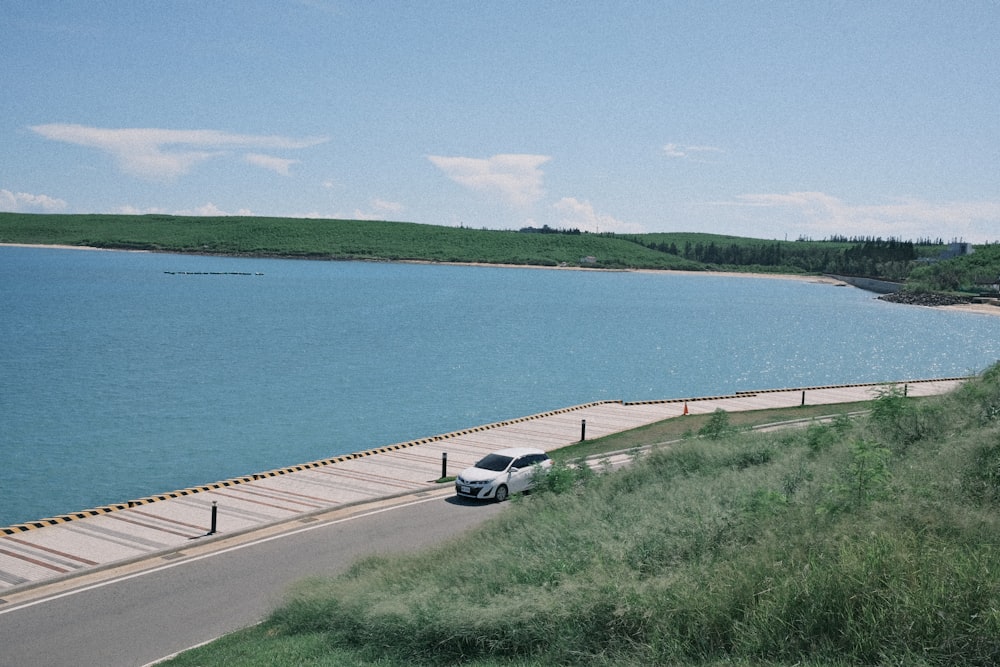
column 889, row 408
column 684, row 460
column 765, row 503
column 819, row 437
column 868, row 474
column 562, row 477
column 982, row 480
column 899, row 421
column 842, row 424
column 793, row 480
column 751, row 457
column 865, row 478
column 717, row 426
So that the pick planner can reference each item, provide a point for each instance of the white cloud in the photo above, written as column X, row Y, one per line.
column 581, row 215
column 689, row 152
column 212, row 210
column 515, row 177
column 276, row 164
column 673, row 150
column 128, row 209
column 205, row 210
column 820, row 215
column 17, row 202
column 159, row 154
column 381, row 209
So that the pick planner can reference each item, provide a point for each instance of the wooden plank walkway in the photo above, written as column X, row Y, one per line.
column 63, row 547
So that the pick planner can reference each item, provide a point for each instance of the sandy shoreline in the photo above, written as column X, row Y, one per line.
column 54, row 246
column 979, row 308
column 825, row 280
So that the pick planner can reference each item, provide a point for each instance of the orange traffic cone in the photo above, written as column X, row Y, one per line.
column 685, row 407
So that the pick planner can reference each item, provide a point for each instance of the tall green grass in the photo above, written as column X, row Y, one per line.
column 735, row 549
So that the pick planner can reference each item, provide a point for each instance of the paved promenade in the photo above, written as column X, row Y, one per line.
column 62, row 547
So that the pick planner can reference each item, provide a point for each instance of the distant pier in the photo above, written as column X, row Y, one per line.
column 212, row 273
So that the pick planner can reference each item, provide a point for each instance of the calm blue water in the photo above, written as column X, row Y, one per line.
column 119, row 380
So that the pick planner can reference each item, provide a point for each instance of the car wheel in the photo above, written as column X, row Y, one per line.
column 501, row 494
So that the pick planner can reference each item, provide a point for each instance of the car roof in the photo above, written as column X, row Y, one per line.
column 514, row 452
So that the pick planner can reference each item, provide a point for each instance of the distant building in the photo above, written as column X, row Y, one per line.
column 589, row 259
column 956, row 250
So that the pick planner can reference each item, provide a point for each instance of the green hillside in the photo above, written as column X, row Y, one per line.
column 871, row 540
column 889, row 259
column 331, row 239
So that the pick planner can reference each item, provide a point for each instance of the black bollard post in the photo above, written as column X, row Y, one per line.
column 444, row 464
column 583, row 430
column 906, row 388
column 215, row 513
column 803, row 398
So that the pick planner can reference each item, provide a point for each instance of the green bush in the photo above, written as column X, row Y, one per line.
column 717, row 426
column 562, row 477
column 820, row 437
column 982, row 477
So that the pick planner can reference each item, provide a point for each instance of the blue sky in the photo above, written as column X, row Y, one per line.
column 765, row 119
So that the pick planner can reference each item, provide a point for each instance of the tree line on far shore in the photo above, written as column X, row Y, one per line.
column 890, row 259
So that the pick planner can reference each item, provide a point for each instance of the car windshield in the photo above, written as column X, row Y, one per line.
column 494, row 462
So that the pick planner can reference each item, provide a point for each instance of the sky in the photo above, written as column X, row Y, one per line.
column 777, row 120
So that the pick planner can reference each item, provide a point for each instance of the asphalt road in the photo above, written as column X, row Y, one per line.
column 149, row 611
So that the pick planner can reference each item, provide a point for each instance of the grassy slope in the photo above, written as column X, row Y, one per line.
column 355, row 239
column 336, row 239
column 871, row 540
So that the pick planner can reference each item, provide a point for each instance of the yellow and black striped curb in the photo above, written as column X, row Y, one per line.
column 755, row 392
column 106, row 509
column 666, row 401
column 850, row 386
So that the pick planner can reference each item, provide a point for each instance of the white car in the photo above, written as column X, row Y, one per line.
column 502, row 473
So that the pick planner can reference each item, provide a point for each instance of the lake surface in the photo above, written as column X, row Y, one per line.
column 121, row 376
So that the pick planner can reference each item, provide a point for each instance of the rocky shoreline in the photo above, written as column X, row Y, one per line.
column 925, row 299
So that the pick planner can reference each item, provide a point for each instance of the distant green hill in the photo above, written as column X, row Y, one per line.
column 888, row 259
column 333, row 239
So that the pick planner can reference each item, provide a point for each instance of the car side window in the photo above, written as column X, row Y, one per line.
column 523, row 462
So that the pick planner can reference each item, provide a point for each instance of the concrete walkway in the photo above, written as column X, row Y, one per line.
column 62, row 547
